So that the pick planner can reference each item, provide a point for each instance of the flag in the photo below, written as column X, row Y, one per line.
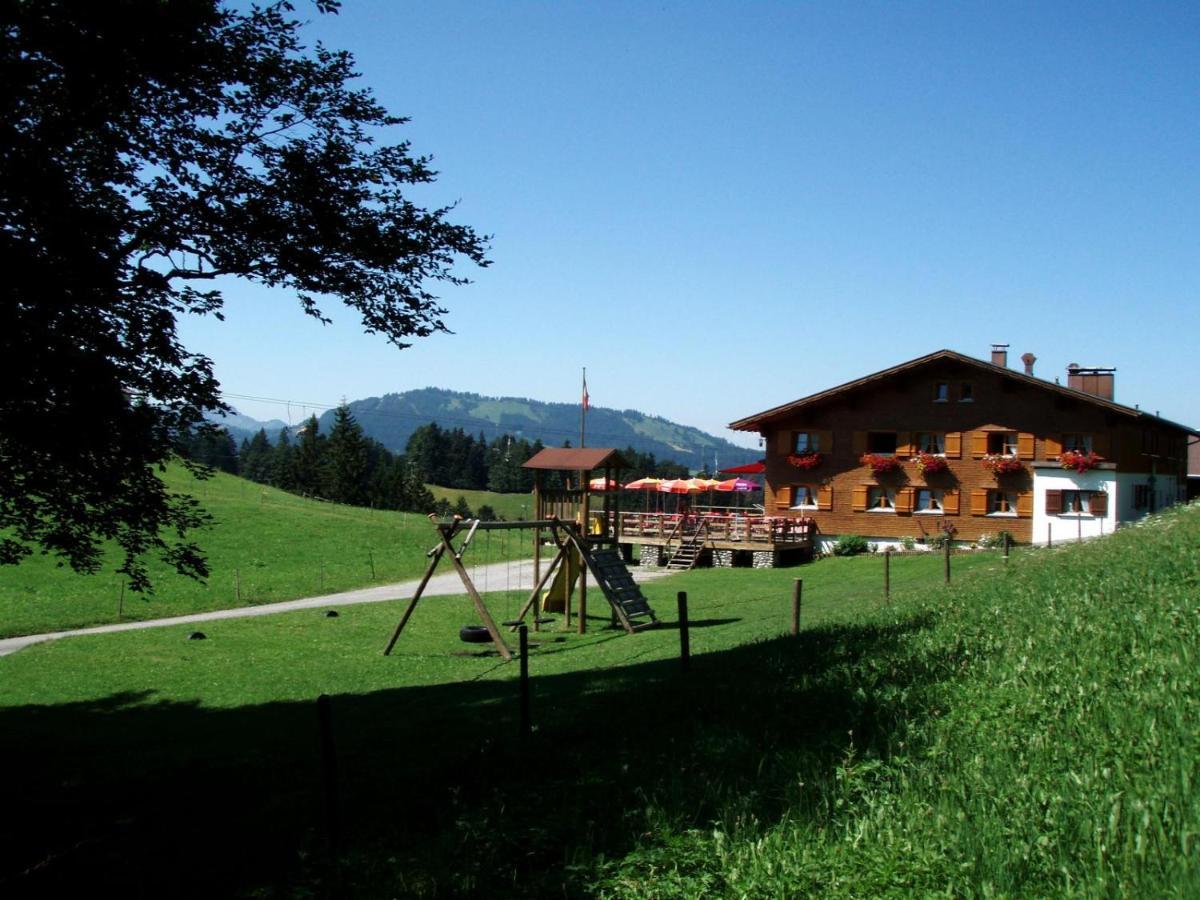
column 585, row 393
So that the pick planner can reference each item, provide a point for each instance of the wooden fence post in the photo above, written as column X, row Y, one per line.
column 237, row 584
column 371, row 561
column 947, row 555
column 887, row 574
column 685, row 649
column 797, row 596
column 1007, row 538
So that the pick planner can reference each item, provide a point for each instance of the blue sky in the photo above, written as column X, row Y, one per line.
column 717, row 208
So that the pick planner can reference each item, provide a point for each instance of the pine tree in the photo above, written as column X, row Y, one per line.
column 306, row 463
column 345, row 462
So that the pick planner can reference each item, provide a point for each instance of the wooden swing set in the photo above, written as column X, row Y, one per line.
column 630, row 609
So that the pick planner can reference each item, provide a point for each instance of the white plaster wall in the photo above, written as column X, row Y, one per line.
column 1120, row 489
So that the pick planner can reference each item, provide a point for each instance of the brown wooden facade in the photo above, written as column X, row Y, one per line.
column 962, row 409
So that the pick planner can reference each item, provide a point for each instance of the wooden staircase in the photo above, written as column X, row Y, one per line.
column 691, row 545
column 621, row 591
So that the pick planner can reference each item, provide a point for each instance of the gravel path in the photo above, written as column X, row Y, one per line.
column 498, row 576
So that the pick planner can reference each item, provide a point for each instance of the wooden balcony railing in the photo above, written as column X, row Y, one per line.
column 767, row 530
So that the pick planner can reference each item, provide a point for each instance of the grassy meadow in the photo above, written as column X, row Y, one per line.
column 264, row 545
column 1028, row 731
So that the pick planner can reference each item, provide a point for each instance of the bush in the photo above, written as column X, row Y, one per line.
column 995, row 541
column 850, row 545
column 908, row 543
column 937, row 541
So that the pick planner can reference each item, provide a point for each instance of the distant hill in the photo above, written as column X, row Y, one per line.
column 392, row 418
column 245, row 427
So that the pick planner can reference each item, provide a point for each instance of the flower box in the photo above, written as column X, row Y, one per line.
column 1002, row 464
column 880, row 465
column 805, row 460
column 1080, row 462
column 928, row 464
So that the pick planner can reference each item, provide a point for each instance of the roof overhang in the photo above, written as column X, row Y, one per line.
column 760, row 421
column 572, row 459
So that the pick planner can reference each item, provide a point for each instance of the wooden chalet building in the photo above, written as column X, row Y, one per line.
column 949, row 444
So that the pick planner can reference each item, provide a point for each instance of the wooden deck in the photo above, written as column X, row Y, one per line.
column 720, row 531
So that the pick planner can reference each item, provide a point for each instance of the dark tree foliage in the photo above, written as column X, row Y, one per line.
column 347, row 460
column 148, row 148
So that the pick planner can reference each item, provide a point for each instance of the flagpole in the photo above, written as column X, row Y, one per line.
column 583, row 406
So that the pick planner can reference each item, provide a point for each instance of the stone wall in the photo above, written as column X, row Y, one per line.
column 650, row 555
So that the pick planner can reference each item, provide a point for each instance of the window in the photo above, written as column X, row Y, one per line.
column 929, row 500
column 941, row 392
column 881, row 443
column 807, row 442
column 881, row 499
column 1141, row 496
column 929, row 442
column 1080, row 443
column 1002, row 503
column 1002, row 443
column 804, row 496
column 966, row 392
column 1076, row 503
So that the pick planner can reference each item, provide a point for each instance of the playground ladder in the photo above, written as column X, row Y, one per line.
column 620, row 589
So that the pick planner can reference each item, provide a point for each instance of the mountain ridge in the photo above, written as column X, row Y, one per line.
column 392, row 418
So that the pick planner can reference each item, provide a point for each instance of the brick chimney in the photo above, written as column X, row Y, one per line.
column 1000, row 355
column 1091, row 380
column 1029, row 359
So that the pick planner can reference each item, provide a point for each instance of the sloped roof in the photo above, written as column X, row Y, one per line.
column 758, row 420
column 572, row 459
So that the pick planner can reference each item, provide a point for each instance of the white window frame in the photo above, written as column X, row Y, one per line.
column 812, row 442
column 878, row 492
column 1086, row 442
column 1085, row 504
column 1010, row 498
column 1007, row 448
column 936, row 496
column 797, row 488
column 939, row 441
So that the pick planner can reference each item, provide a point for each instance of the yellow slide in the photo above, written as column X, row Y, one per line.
column 556, row 597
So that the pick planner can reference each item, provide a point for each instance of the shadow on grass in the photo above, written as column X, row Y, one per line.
column 439, row 795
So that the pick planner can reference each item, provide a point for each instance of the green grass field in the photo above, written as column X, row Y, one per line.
column 510, row 507
column 1029, row 731
column 264, row 545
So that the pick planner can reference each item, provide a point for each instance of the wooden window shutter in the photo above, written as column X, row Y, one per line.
column 1053, row 446
column 860, row 443
column 950, row 502
column 785, row 442
column 979, row 498
column 1054, row 503
column 1099, row 503
column 860, row 498
column 825, row 497
column 1102, row 445
column 979, row 444
column 904, row 501
column 953, row 444
column 1025, row 504
column 1025, row 445
column 825, row 440
column 904, row 445
column 783, row 497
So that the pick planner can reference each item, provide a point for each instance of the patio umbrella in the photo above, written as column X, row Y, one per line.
column 737, row 484
column 678, row 486
column 602, row 484
column 644, row 484
column 756, row 468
